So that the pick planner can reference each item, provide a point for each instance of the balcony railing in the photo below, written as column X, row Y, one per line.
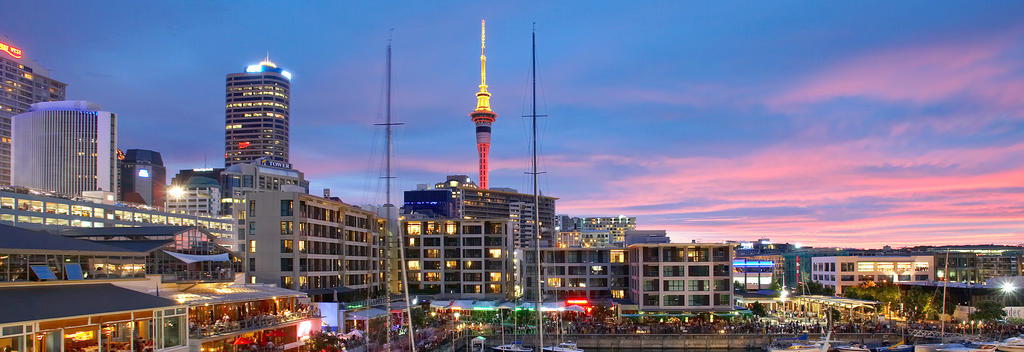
column 254, row 323
column 192, row 276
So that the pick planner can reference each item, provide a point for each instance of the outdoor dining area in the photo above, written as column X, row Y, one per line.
column 221, row 318
column 271, row 340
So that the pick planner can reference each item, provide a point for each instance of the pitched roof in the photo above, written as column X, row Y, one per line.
column 57, row 301
column 16, row 238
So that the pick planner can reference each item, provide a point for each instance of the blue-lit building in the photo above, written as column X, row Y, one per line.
column 256, row 114
column 753, row 274
column 431, row 203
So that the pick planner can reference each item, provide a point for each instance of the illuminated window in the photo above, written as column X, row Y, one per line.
column 432, row 253
column 554, row 282
column 414, row 265
column 865, row 266
column 432, row 277
column 413, row 228
column 449, row 228
column 618, row 256
column 252, row 246
column 451, row 264
column 494, row 276
column 619, row 294
column 494, row 253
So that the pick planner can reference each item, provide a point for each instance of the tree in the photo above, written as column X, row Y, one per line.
column 816, row 288
column 320, row 341
column 758, row 309
column 918, row 304
column 988, row 311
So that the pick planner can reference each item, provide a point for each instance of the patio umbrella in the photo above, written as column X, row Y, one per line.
column 575, row 308
column 242, row 341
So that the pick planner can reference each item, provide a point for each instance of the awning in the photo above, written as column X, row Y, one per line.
column 464, row 304
column 484, row 305
column 365, row 314
column 507, row 305
column 194, row 258
column 440, row 304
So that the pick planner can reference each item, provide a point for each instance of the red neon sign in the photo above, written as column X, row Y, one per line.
column 243, row 145
column 578, row 301
column 10, row 50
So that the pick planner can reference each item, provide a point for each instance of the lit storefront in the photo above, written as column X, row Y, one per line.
column 226, row 317
column 88, row 317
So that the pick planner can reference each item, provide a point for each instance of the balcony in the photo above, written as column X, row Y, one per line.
column 260, row 322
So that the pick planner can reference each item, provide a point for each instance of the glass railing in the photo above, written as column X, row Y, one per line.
column 253, row 323
column 191, row 276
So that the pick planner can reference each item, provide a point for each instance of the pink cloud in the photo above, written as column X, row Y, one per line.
column 818, row 192
column 916, row 74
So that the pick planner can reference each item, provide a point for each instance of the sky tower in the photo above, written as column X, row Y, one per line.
column 483, row 116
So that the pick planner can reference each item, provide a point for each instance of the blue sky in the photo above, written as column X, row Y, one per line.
column 864, row 123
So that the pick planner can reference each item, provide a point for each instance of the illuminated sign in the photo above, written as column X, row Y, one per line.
column 274, row 163
column 579, row 301
column 304, row 330
column 10, row 50
column 243, row 145
column 144, row 173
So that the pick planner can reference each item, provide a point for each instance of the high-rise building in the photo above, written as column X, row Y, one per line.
column 67, row 147
column 257, row 114
column 472, row 202
column 143, row 177
column 25, row 83
column 483, row 117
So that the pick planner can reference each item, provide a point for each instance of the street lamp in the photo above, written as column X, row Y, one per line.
column 176, row 192
column 1008, row 288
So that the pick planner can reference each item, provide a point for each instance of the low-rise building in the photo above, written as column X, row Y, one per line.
column 43, row 210
column 584, row 239
column 841, row 272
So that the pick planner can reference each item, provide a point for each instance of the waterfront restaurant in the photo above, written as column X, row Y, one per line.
column 223, row 317
column 88, row 317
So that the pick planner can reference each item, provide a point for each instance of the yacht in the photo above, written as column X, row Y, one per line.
column 1013, row 344
column 935, row 347
column 512, row 347
column 856, row 347
column 564, row 347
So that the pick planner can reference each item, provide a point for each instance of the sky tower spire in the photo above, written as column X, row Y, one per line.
column 483, row 116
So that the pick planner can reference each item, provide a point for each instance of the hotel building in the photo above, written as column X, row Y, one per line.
column 847, row 271
column 68, row 147
column 453, row 258
column 22, row 83
column 256, row 114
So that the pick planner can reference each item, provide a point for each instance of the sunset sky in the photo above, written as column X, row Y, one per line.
column 858, row 123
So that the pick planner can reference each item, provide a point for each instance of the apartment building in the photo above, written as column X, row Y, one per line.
column 317, row 245
column 681, row 276
column 457, row 258
column 597, row 274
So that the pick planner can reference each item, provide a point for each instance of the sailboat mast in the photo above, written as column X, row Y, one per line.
column 536, row 196
column 387, row 203
column 945, row 284
column 401, row 244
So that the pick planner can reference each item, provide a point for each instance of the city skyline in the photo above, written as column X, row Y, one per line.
column 856, row 124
